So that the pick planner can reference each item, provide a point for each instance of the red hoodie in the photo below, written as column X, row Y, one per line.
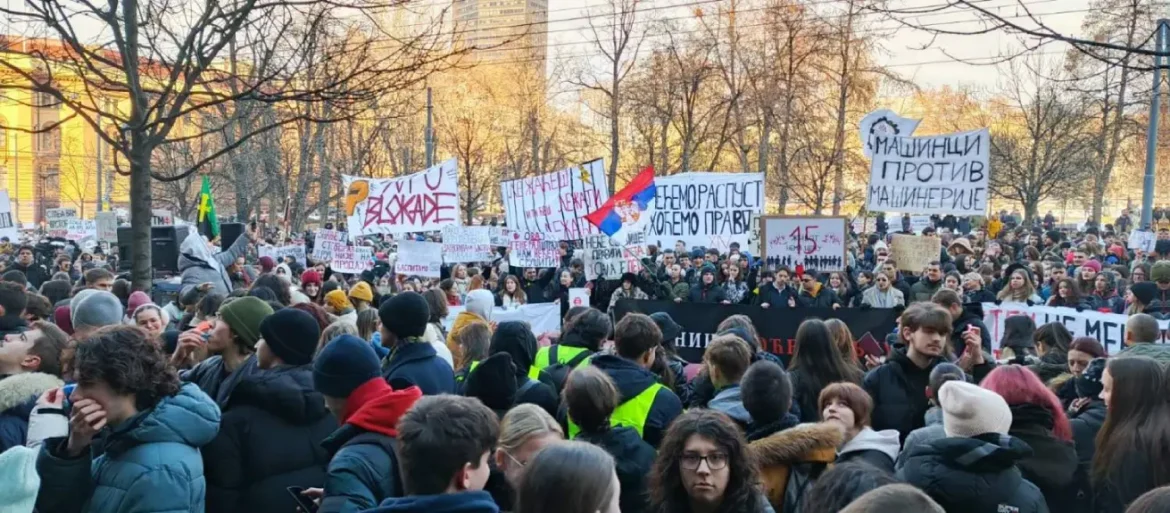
column 376, row 407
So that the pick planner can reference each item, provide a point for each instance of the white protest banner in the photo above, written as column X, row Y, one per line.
column 1107, row 328
column 1144, row 241
column 499, row 236
column 578, row 296
column 415, row 258
column 914, row 252
column 860, row 224
column 78, row 229
column 940, row 174
column 279, row 252
column 58, row 219
column 324, row 241
column 352, row 259
column 107, row 226
column 7, row 223
column 541, row 317
column 424, row 201
column 884, row 122
column 555, row 204
column 605, row 258
column 532, row 250
column 467, row 244
column 709, row 210
column 817, row 243
column 919, row 223
column 161, row 217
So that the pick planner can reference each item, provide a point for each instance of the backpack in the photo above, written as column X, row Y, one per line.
column 387, row 444
column 558, row 373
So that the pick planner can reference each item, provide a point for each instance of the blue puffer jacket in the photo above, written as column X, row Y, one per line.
column 147, row 464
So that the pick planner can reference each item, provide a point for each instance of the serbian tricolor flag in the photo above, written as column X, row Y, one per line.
column 629, row 210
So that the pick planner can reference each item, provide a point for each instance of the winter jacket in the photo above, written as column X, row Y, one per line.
column 974, row 475
column 878, row 448
column 924, row 290
column 759, row 431
column 875, row 298
column 1085, row 426
column 680, row 290
column 199, row 265
column 1159, row 352
column 824, row 298
column 268, row 440
column 1052, row 467
column 1159, row 307
column 462, row 321
column 363, row 470
column 35, row 273
column 634, row 458
column 978, row 296
column 712, row 293
column 736, row 291
column 462, row 502
column 730, row 402
column 635, row 293
column 972, row 316
column 18, row 396
column 415, row 363
column 791, row 460
column 631, row 380
column 898, row 389
column 775, row 298
column 1113, row 303
column 212, row 377
column 149, row 463
column 923, row 435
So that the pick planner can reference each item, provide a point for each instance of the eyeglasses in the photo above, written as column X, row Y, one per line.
column 514, row 460
column 715, row 461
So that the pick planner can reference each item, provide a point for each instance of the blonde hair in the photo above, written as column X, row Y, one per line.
column 335, row 330
column 1027, row 291
column 523, row 422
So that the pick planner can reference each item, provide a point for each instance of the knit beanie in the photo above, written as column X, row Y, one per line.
column 310, row 276
column 362, row 292
column 92, row 308
column 344, row 364
column 969, row 410
column 493, row 382
column 267, row 263
column 137, row 299
column 336, row 300
column 63, row 319
column 670, row 329
column 405, row 314
column 707, row 269
column 243, row 316
column 1144, row 292
column 1092, row 264
column 18, row 472
column 1088, row 384
column 292, row 335
column 1160, row 271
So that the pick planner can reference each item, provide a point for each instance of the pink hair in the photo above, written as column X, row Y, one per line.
column 1018, row 385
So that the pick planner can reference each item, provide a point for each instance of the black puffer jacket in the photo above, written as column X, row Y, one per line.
column 633, row 457
column 898, row 389
column 269, row 439
column 1085, row 426
column 974, row 475
column 1052, row 467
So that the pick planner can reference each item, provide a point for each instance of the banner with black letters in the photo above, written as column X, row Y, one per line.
column 776, row 327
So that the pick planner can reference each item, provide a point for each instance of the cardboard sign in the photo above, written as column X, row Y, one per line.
column 532, row 250
column 499, row 236
column 424, row 201
column 940, row 174
column 352, row 259
column 578, row 296
column 709, row 210
column 58, row 220
column 324, row 241
column 816, row 243
column 1144, row 241
column 603, row 257
column 467, row 244
column 914, row 252
column 555, row 204
column 279, row 252
column 415, row 258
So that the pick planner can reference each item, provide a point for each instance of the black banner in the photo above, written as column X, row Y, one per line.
column 776, row 327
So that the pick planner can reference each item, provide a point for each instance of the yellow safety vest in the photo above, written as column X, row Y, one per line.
column 462, row 376
column 632, row 413
column 544, row 358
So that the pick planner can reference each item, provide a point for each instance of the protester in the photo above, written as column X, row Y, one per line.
column 515, row 339
column 478, row 310
column 231, row 342
column 363, row 468
column 767, row 396
column 1052, row 346
column 30, row 365
column 1142, row 335
column 337, row 304
column 848, row 406
column 435, row 333
column 894, row 498
column 844, row 483
column 580, row 339
column 148, row 428
column 471, row 344
column 726, row 359
column 33, row 272
column 152, row 319
column 816, row 362
column 1134, row 442
column 199, row 265
column 412, row 361
column 930, row 283
column 883, row 294
column 524, row 432
column 572, row 478
column 933, row 430
column 1087, row 411
column 813, row 294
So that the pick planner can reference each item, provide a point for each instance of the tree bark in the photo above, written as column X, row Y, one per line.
column 141, row 200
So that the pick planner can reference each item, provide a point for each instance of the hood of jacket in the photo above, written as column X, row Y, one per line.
column 377, row 407
column 17, row 389
column 805, row 443
column 980, row 472
column 285, row 392
column 462, row 502
column 730, row 402
column 934, row 416
column 971, row 312
column 758, row 431
column 1053, row 462
column 408, row 352
column 627, row 376
column 886, row 441
column 189, row 417
column 481, row 302
column 194, row 252
column 516, row 339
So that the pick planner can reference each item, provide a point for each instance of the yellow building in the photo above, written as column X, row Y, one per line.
column 56, row 168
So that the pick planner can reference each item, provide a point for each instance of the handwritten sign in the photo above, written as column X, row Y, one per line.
column 424, row 201
column 352, row 259
column 920, row 223
column 80, row 229
column 555, row 204
column 914, row 252
column 607, row 259
column 1144, row 241
column 324, row 241
column 415, row 258
column 499, row 236
column 107, row 226
column 161, row 217
column 279, row 252
column 578, row 296
column 7, row 222
column 709, row 210
column 532, row 250
column 941, row 174
column 817, row 243
column 467, row 244
column 58, row 219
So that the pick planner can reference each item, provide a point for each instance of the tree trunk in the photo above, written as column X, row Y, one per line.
column 140, row 204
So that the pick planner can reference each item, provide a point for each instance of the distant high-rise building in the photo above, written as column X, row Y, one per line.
column 504, row 31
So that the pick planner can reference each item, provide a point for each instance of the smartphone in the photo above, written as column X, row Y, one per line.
column 303, row 502
column 67, row 391
column 871, row 347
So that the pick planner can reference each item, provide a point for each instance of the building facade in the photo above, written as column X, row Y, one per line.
column 513, row 32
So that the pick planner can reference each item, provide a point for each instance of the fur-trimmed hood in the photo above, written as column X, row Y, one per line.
column 811, row 443
column 16, row 389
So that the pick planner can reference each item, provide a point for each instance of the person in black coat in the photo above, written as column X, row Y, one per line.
column 814, row 294
column 412, row 361
column 272, row 425
column 964, row 317
column 707, row 291
column 534, row 284
column 591, row 397
column 1087, row 412
column 516, row 339
column 775, row 293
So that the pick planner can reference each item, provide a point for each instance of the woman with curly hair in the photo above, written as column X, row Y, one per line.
column 704, row 465
column 133, row 401
column 511, row 295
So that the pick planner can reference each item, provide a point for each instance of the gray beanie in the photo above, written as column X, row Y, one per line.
column 94, row 309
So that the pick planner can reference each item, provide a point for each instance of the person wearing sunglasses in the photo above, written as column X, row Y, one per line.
column 882, row 294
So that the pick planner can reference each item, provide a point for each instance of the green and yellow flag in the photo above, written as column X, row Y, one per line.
column 208, row 222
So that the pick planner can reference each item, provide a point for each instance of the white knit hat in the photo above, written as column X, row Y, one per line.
column 970, row 411
column 18, row 472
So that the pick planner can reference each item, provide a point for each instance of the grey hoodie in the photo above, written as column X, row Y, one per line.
column 885, row 441
column 199, row 265
column 730, row 402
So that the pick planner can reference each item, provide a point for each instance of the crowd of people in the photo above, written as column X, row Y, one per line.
column 268, row 386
